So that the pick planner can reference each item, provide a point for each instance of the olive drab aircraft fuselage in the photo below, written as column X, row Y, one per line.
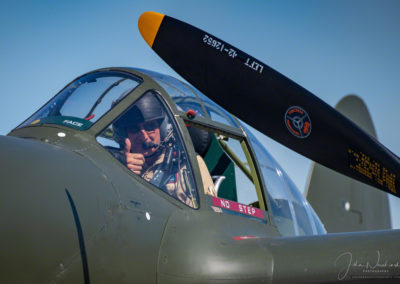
column 74, row 211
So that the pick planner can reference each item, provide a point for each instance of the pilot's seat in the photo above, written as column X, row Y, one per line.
column 218, row 163
column 201, row 140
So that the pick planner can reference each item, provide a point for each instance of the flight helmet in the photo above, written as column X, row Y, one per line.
column 147, row 108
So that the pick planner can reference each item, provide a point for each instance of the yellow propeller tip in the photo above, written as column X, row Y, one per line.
column 149, row 23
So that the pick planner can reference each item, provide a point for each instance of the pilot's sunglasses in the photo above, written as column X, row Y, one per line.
column 147, row 126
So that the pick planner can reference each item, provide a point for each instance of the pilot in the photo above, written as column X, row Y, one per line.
column 150, row 150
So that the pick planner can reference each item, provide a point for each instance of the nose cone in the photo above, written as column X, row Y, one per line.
column 39, row 241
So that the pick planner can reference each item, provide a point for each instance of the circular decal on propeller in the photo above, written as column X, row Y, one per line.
column 298, row 122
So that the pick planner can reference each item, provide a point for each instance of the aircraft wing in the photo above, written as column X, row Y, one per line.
column 270, row 102
column 368, row 257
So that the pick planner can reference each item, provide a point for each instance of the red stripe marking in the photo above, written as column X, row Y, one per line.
column 238, row 207
column 241, row 238
column 89, row 117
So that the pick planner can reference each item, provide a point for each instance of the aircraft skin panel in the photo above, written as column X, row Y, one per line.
column 334, row 258
column 330, row 193
column 47, row 198
column 26, row 186
column 192, row 253
column 123, row 244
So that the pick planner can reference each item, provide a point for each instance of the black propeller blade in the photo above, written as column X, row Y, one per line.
column 270, row 102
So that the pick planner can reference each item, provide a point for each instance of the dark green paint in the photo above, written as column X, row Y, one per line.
column 39, row 242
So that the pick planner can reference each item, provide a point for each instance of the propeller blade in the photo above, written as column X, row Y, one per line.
column 270, row 102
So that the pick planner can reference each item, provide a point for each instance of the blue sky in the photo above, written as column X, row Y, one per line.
column 332, row 48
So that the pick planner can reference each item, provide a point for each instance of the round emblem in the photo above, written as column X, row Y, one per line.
column 298, row 122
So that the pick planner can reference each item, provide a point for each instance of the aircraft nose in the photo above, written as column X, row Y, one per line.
column 46, row 194
column 38, row 235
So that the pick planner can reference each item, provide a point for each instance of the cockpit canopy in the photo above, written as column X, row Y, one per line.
column 85, row 101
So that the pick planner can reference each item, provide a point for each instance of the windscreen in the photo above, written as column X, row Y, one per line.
column 85, row 100
column 292, row 214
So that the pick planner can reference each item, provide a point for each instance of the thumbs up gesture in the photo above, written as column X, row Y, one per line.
column 134, row 161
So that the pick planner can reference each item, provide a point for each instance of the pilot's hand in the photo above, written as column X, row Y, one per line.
column 134, row 161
